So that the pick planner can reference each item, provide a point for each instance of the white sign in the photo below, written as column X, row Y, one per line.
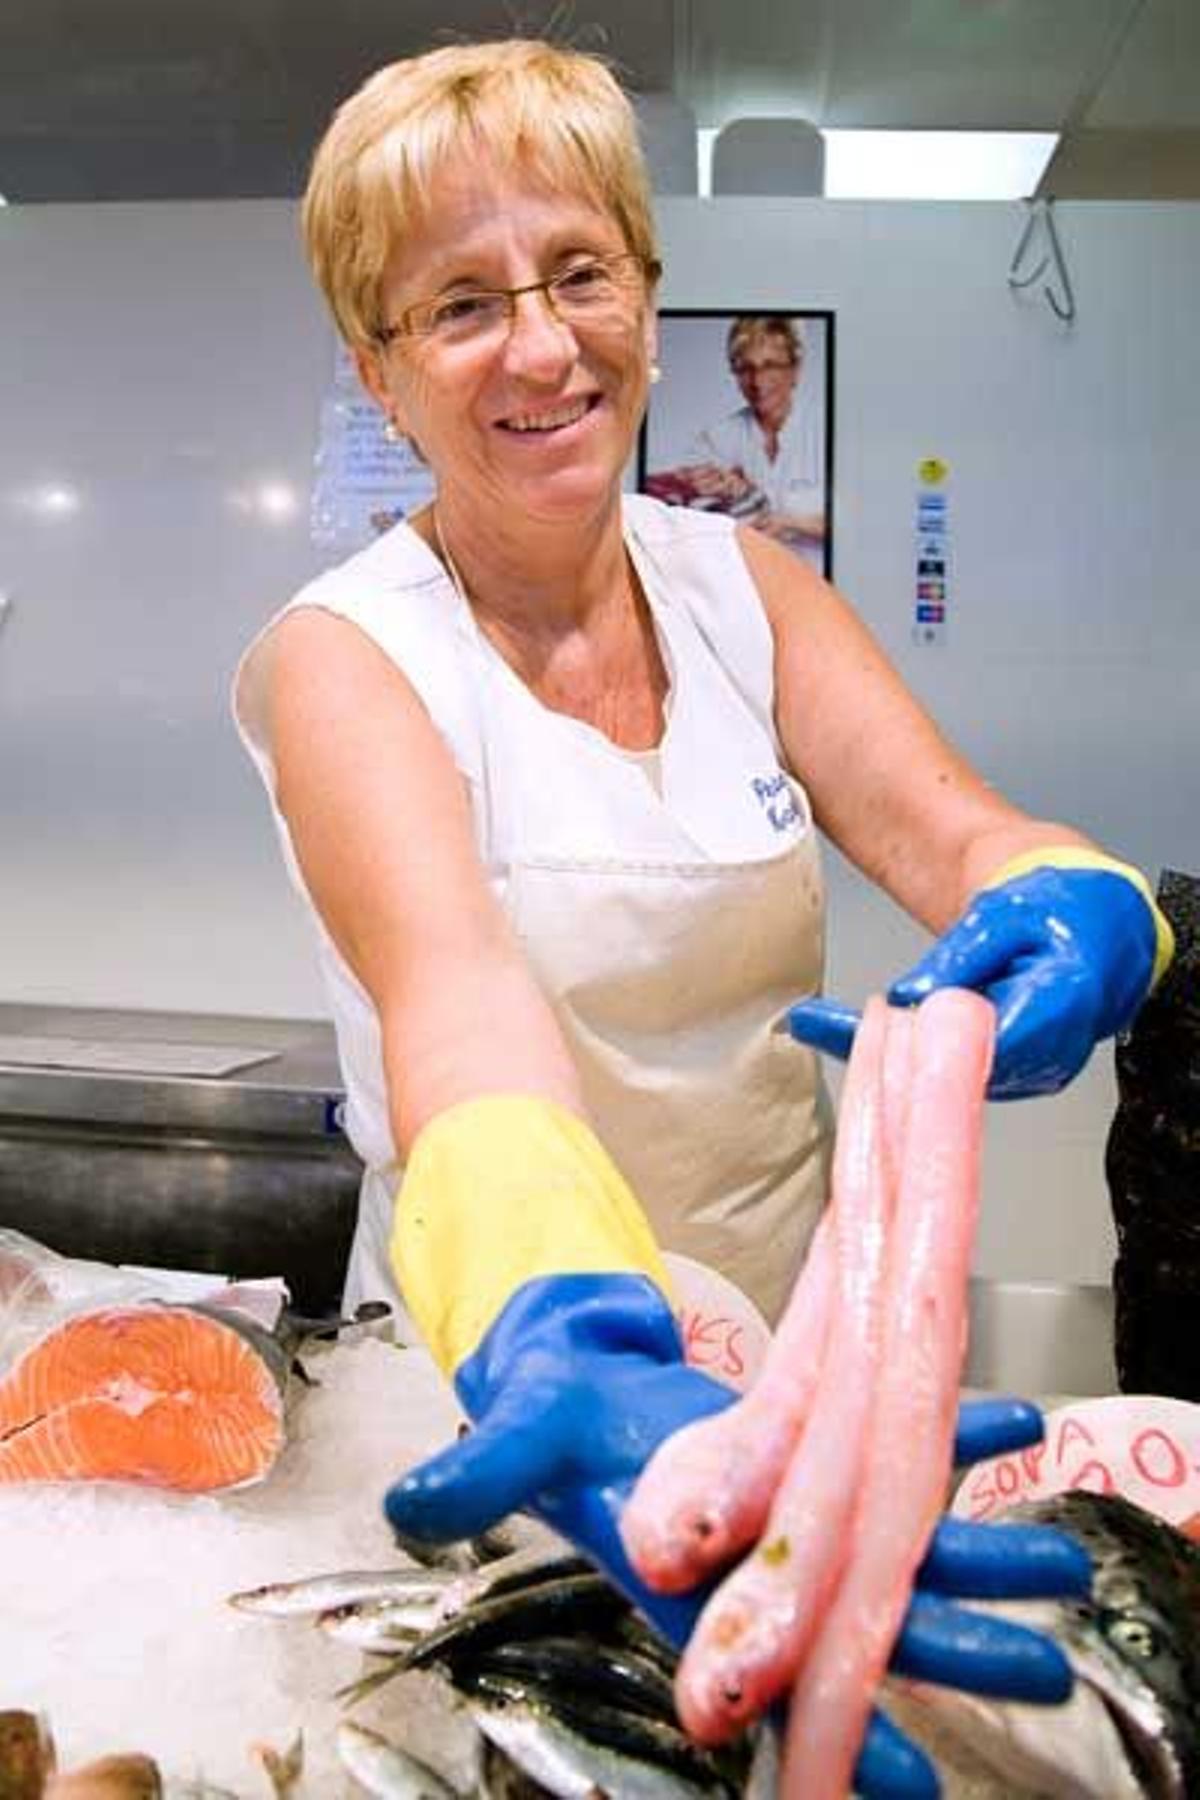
column 723, row 1331
column 365, row 482
column 1142, row 1446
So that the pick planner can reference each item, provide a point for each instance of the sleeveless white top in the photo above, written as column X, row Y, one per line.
column 671, row 907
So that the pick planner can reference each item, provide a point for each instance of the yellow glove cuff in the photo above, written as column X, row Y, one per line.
column 1074, row 856
column 498, row 1191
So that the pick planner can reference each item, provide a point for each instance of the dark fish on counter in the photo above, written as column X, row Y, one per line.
column 543, row 1725
column 580, row 1603
column 570, row 1690
column 567, row 1761
column 541, row 1602
column 1131, row 1730
column 574, row 1666
column 564, row 1677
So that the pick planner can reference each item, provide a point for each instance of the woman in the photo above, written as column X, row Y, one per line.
column 764, row 462
column 545, row 764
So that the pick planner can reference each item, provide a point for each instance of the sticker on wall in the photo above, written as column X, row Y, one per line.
column 364, row 481
column 931, row 584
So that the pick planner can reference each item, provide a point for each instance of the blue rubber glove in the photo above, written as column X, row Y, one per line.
column 1064, row 942
column 577, row 1382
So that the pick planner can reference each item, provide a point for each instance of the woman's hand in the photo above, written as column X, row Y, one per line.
column 536, row 1282
column 1065, row 943
column 578, row 1383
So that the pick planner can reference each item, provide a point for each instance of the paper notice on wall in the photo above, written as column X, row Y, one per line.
column 364, row 482
column 931, row 584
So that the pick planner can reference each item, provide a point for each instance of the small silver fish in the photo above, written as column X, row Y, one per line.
column 380, row 1625
column 349, row 1587
column 321, row 1593
column 570, row 1766
column 385, row 1770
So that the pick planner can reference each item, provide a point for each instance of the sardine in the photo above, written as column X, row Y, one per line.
column 587, row 1669
column 1132, row 1727
column 534, row 1608
column 571, row 1766
column 380, row 1625
column 384, row 1769
column 655, row 1743
column 577, row 1602
column 349, row 1587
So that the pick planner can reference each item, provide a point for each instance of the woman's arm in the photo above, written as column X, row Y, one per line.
column 381, row 824
column 884, row 783
column 1064, row 940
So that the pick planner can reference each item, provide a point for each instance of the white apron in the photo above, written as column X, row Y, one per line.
column 669, row 933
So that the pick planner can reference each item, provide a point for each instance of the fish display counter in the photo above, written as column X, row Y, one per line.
column 118, row 1628
column 116, row 1624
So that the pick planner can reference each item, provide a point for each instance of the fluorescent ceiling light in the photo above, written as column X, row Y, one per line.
column 935, row 165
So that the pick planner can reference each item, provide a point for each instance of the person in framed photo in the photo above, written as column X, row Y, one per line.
column 764, row 461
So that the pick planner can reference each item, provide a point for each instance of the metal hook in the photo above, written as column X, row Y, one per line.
column 1062, row 301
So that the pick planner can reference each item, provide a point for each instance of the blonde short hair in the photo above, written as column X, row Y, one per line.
column 557, row 112
column 752, row 328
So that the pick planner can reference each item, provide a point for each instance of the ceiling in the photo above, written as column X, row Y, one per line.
column 163, row 99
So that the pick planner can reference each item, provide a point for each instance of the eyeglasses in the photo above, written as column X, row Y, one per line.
column 743, row 370
column 598, row 292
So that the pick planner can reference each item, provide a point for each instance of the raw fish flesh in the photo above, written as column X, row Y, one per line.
column 840, row 1479
column 754, row 1632
column 910, row 1446
column 175, row 1396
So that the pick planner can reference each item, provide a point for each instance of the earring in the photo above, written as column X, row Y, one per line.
column 655, row 374
column 390, row 432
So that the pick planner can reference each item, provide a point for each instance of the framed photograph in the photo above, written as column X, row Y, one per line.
column 741, row 422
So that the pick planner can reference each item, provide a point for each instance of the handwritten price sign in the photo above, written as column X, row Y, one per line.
column 723, row 1332
column 1140, row 1445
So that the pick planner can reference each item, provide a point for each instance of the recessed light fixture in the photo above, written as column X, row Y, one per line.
column 277, row 500
column 935, row 165
column 56, row 500
column 922, row 165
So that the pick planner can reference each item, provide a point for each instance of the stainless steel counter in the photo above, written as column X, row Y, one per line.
column 243, row 1173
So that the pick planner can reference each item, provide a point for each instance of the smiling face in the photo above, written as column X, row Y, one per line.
column 766, row 371
column 537, row 419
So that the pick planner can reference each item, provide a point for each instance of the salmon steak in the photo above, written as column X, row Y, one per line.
column 172, row 1396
